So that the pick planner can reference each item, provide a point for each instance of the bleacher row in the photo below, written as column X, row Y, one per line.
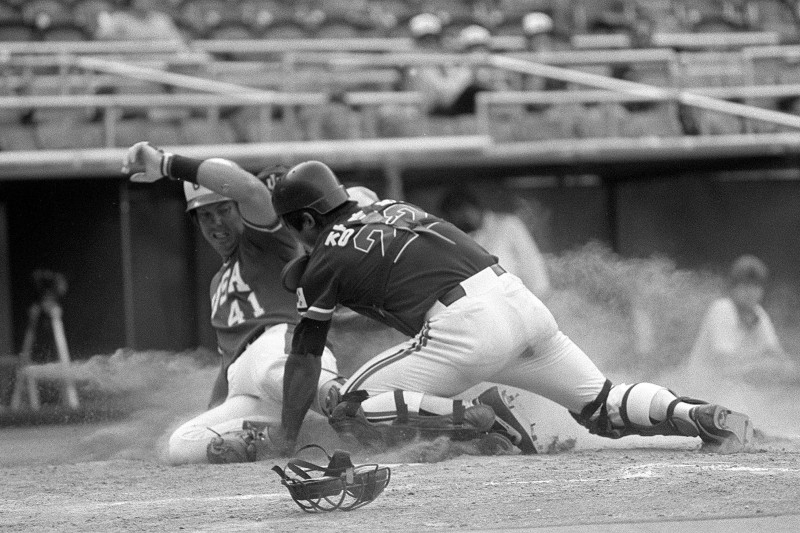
column 59, row 20
column 56, row 102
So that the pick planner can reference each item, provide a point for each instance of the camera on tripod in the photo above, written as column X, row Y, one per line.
column 49, row 285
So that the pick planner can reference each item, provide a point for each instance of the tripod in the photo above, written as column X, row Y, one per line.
column 27, row 372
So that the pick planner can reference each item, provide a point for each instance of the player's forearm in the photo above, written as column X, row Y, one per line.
column 228, row 179
column 300, row 379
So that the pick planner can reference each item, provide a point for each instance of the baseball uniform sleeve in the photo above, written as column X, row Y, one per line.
column 317, row 294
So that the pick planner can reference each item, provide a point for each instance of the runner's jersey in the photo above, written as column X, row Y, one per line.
column 385, row 261
column 247, row 295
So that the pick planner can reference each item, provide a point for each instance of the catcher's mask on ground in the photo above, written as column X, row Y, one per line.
column 341, row 484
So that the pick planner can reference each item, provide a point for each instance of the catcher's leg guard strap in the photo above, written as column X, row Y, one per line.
column 594, row 416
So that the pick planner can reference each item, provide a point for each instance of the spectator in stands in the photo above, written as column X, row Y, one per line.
column 502, row 234
column 143, row 21
column 737, row 337
column 538, row 30
column 448, row 90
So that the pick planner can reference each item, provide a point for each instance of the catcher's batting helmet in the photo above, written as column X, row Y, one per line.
column 197, row 195
column 342, row 485
column 310, row 185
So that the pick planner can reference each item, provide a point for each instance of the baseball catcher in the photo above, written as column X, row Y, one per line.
column 469, row 321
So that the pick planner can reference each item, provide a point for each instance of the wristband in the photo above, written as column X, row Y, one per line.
column 178, row 167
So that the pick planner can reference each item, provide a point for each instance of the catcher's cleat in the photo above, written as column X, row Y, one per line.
column 508, row 422
column 341, row 485
column 242, row 446
column 722, row 429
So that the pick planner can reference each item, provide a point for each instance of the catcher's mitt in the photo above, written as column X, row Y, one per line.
column 341, row 484
column 237, row 446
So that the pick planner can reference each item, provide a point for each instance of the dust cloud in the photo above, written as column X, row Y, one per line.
column 155, row 391
column 636, row 318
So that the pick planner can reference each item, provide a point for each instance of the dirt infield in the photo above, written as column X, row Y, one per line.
column 110, row 474
column 657, row 485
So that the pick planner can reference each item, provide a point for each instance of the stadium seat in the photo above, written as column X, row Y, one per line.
column 166, row 133
column 18, row 137
column 713, row 123
column 64, row 32
column 203, row 131
column 285, row 29
column 337, row 28
column 601, row 120
column 230, row 31
column 43, row 14
column 85, row 13
column 448, row 11
column 652, row 120
column 57, row 85
column 69, row 134
column 16, row 32
column 336, row 9
column 400, row 121
column 9, row 13
column 552, row 122
column 711, row 69
column 332, row 121
column 201, row 16
column 260, row 14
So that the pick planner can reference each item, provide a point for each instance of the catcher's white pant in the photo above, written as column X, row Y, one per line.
column 499, row 332
column 255, row 393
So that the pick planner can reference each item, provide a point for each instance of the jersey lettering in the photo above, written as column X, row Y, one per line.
column 405, row 211
column 367, row 236
column 222, row 290
column 257, row 309
column 237, row 284
column 301, row 299
column 339, row 236
column 232, row 282
column 235, row 316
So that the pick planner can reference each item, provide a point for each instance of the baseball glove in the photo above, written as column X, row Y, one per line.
column 237, row 446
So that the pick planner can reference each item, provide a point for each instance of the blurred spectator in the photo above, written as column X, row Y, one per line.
column 538, row 30
column 142, row 21
column 502, row 234
column 737, row 337
column 449, row 90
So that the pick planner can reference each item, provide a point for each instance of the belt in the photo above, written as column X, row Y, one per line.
column 458, row 292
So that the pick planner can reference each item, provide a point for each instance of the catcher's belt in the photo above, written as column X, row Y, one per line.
column 341, row 484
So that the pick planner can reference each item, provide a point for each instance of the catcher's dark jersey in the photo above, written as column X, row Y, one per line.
column 247, row 295
column 390, row 261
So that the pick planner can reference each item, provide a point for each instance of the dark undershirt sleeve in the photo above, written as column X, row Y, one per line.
column 309, row 337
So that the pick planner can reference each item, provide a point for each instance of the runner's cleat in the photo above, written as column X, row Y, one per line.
column 496, row 444
column 722, row 429
column 350, row 423
column 511, row 424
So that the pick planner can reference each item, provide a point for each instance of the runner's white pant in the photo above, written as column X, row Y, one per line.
column 255, row 393
column 499, row 332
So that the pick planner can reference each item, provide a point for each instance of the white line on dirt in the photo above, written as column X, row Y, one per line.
column 649, row 471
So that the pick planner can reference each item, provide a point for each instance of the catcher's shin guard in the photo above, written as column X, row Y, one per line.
column 350, row 422
column 508, row 422
column 720, row 429
column 341, row 485
column 242, row 446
